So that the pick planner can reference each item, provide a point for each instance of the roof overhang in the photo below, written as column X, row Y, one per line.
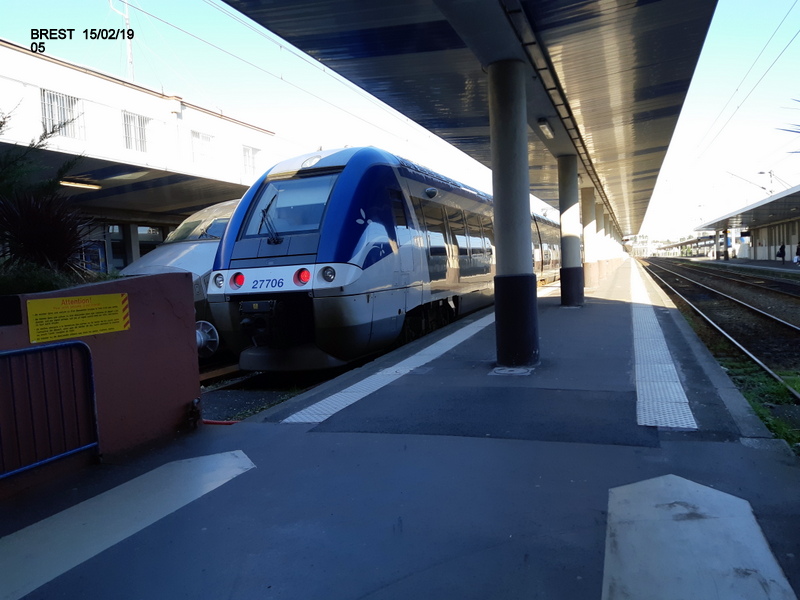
column 609, row 78
column 127, row 193
column 779, row 208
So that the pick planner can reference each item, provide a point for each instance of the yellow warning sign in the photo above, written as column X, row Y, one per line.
column 62, row 318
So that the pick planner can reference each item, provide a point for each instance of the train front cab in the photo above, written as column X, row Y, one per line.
column 396, row 263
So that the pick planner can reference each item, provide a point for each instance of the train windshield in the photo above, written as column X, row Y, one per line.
column 207, row 224
column 290, row 206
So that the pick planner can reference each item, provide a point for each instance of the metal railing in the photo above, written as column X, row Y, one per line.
column 47, row 405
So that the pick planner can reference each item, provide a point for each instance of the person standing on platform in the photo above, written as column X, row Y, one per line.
column 782, row 254
column 797, row 255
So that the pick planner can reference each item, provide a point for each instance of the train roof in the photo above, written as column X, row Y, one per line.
column 338, row 158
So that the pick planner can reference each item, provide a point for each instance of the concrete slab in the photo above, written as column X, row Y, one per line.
column 671, row 538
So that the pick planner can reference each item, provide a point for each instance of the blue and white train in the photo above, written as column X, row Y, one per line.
column 337, row 255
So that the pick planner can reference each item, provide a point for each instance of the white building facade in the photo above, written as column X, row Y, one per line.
column 148, row 159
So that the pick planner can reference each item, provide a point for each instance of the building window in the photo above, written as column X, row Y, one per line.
column 249, row 156
column 135, row 128
column 61, row 114
column 201, row 147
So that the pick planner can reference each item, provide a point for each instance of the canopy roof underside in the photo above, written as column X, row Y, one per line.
column 609, row 76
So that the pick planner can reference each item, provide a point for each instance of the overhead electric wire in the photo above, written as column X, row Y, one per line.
column 714, row 122
column 745, row 77
column 284, row 45
column 263, row 70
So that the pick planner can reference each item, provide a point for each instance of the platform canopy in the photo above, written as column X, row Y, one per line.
column 607, row 82
column 778, row 208
column 132, row 193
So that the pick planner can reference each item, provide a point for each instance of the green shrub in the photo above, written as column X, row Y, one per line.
column 41, row 229
column 27, row 278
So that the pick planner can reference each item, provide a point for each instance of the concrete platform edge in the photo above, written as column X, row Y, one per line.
column 750, row 426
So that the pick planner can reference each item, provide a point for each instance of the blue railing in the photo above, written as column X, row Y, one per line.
column 47, row 405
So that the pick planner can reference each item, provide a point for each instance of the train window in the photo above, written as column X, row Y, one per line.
column 290, row 206
column 455, row 219
column 399, row 211
column 474, row 233
column 416, row 205
column 208, row 223
column 435, row 224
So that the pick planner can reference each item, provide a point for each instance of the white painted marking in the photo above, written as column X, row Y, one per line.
column 669, row 538
column 660, row 398
column 316, row 413
column 33, row 556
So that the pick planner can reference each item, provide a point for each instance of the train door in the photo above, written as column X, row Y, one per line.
column 389, row 306
column 405, row 239
column 457, row 248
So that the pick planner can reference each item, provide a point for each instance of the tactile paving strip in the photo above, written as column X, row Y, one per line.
column 660, row 398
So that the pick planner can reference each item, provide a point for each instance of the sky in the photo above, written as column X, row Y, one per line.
column 728, row 150
column 212, row 56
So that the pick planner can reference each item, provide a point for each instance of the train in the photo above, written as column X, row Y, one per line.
column 191, row 247
column 337, row 255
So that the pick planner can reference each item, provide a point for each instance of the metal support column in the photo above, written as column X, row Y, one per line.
column 569, row 205
column 516, row 317
column 130, row 242
column 589, row 221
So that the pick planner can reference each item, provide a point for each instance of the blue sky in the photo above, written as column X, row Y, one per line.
column 210, row 55
column 745, row 90
column 727, row 141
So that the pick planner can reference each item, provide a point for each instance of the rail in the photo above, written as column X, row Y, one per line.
column 725, row 317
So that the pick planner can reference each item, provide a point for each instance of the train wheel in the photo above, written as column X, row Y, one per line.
column 413, row 326
column 207, row 339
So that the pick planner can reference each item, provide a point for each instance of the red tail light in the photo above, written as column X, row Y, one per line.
column 237, row 280
column 302, row 277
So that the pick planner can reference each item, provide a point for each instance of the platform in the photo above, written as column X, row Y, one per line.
column 625, row 465
column 774, row 264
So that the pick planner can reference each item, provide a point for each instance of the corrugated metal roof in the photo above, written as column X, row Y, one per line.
column 778, row 208
column 610, row 76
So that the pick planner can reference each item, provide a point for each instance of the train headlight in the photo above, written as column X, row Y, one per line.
column 328, row 274
column 219, row 280
column 302, row 276
column 237, row 280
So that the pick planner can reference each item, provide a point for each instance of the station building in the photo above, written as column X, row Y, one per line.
column 758, row 231
column 148, row 159
column 755, row 232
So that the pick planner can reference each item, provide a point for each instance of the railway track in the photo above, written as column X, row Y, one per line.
column 787, row 282
column 230, row 395
column 210, row 373
column 751, row 319
column 777, row 296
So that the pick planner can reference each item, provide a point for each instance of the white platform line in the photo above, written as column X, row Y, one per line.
column 316, row 413
column 660, row 398
column 33, row 556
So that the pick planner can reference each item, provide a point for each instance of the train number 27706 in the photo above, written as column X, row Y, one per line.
column 261, row 284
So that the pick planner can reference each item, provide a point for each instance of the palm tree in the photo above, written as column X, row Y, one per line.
column 39, row 228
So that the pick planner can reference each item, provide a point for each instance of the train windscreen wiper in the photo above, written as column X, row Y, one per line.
column 267, row 223
column 204, row 234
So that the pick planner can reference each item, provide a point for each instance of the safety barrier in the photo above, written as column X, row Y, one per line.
column 47, row 405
